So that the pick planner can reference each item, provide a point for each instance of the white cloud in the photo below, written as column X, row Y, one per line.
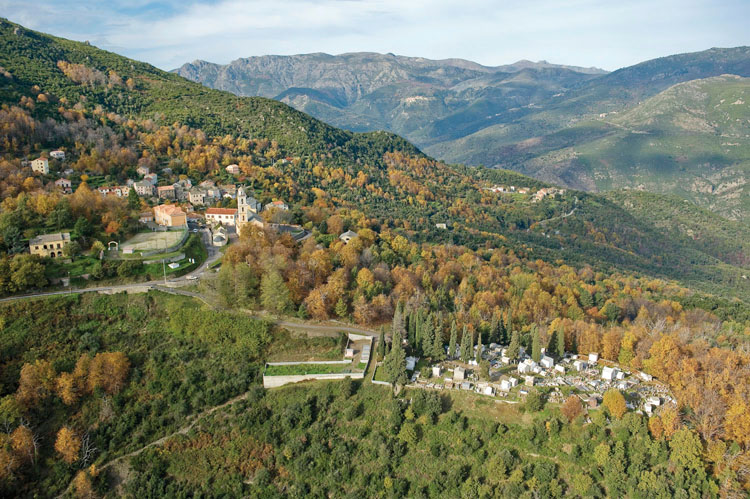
column 585, row 32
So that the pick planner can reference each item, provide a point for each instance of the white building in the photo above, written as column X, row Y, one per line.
column 459, row 374
column 144, row 188
column 527, row 366
column 223, row 216
column 593, row 358
column 40, row 165
column 529, row 380
column 233, row 169
column 437, row 371
column 278, row 205
column 57, row 154
column 348, row 236
column 580, row 365
column 547, row 362
column 609, row 373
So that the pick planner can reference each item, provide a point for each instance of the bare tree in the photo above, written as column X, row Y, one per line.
column 87, row 449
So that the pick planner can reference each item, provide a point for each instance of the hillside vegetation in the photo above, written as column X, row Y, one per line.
column 570, row 126
column 691, row 140
column 157, row 395
column 389, row 183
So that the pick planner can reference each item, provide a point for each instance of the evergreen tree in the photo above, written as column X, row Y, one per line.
column 381, row 343
column 397, row 325
column 61, row 217
column 536, row 345
column 394, row 364
column 453, row 341
column 417, row 343
column 274, row 295
column 466, row 345
column 479, row 348
column 427, row 337
column 502, row 335
column 560, row 342
column 438, row 353
column 515, row 346
column 83, row 228
column 13, row 239
column 134, row 202
column 341, row 309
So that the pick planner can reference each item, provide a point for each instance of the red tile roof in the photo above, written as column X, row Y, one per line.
column 221, row 211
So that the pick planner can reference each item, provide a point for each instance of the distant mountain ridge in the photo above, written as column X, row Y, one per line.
column 562, row 124
column 367, row 91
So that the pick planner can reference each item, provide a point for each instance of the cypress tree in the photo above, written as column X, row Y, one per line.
column 428, row 337
column 560, row 342
column 437, row 343
column 466, row 345
column 515, row 346
column 453, row 340
column 394, row 364
column 480, row 347
column 502, row 337
column 397, row 325
column 536, row 345
column 509, row 323
column 381, row 343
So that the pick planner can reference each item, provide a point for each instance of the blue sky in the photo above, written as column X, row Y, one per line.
column 603, row 33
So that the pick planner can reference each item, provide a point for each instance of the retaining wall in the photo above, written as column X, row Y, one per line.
column 171, row 259
column 275, row 381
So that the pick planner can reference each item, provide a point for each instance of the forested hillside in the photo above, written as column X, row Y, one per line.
column 314, row 165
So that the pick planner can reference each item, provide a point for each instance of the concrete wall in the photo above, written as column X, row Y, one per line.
column 175, row 258
column 297, row 363
column 275, row 381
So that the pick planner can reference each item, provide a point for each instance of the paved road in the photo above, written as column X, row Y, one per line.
column 213, row 255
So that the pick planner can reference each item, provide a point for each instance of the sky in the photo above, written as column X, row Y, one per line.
column 603, row 33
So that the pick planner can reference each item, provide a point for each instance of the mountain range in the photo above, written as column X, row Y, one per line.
column 562, row 124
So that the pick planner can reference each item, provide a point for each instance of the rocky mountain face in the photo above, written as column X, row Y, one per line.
column 407, row 95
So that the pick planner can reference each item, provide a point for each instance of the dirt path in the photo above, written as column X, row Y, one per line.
column 181, row 431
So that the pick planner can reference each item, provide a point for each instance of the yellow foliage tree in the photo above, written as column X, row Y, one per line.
column 615, row 403
column 68, row 445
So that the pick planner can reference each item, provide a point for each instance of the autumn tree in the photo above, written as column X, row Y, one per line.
column 572, row 408
column 68, row 445
column 66, row 388
column 108, row 370
column 615, row 403
column 24, row 443
column 37, row 381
